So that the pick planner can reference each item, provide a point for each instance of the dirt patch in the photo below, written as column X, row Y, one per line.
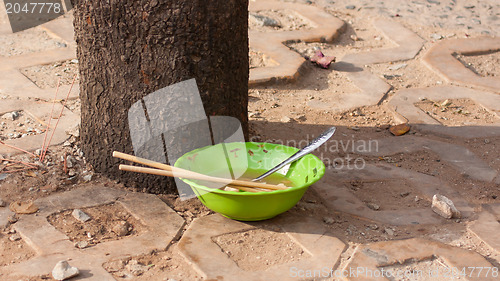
column 166, row 265
column 20, row 124
column 423, row 270
column 395, row 194
column 251, row 249
column 48, row 75
column 28, row 41
column 485, row 65
column 457, row 112
column 282, row 20
column 13, row 249
column 107, row 223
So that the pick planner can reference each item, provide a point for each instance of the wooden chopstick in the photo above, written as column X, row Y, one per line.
column 196, row 176
column 182, row 173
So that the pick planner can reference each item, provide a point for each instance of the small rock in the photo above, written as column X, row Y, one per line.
column 355, row 128
column 389, row 231
column 3, row 203
column 373, row 206
column 80, row 215
column 87, row 178
column 404, row 194
column 115, row 266
column 71, row 173
column 15, row 237
column 436, row 36
column 11, row 115
column 286, row 119
column 63, row 271
column 74, row 61
column 354, row 37
column 350, row 7
column 254, row 115
column 373, row 226
column 398, row 66
column 121, row 228
column 328, row 220
column 444, row 207
column 82, row 244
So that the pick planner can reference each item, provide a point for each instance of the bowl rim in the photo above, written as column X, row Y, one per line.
column 196, row 185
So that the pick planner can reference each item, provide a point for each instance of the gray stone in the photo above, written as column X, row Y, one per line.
column 389, row 231
column 444, row 207
column 80, row 215
column 87, row 177
column 328, row 220
column 286, row 119
column 373, row 206
column 63, row 271
column 350, row 7
column 82, row 244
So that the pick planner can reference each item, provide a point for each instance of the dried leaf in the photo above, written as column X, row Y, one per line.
column 400, row 129
column 23, row 207
column 30, row 173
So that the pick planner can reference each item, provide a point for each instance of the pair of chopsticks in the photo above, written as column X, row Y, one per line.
column 170, row 171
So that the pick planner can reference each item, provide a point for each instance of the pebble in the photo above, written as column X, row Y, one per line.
column 87, row 177
column 398, row 66
column 373, row 206
column 286, row 119
column 11, row 115
column 350, row 7
column 15, row 237
column 80, row 215
column 444, row 207
column 82, row 244
column 436, row 36
column 328, row 220
column 115, row 266
column 121, row 228
column 2, row 203
column 404, row 194
column 389, row 231
column 63, row 271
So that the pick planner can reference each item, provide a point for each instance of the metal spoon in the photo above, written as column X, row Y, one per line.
column 315, row 143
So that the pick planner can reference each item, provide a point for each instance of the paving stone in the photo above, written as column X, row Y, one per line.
column 338, row 197
column 409, row 44
column 373, row 89
column 457, row 156
column 440, row 59
column 40, row 110
column 5, row 213
column 487, row 226
column 271, row 43
column 51, row 246
column 403, row 104
column 197, row 246
column 375, row 256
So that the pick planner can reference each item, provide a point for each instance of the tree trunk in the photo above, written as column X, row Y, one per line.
column 129, row 49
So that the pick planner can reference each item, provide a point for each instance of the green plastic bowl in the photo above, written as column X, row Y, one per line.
column 260, row 157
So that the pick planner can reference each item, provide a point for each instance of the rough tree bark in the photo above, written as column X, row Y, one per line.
column 128, row 49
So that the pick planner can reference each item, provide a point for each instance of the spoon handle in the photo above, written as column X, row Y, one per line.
column 315, row 143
